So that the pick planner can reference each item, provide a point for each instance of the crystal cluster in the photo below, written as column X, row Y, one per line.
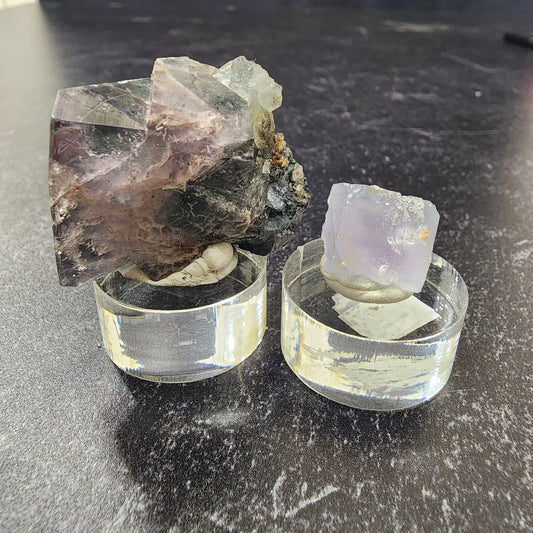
column 377, row 241
column 151, row 172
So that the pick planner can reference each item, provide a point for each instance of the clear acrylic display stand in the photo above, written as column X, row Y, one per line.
column 182, row 334
column 333, row 360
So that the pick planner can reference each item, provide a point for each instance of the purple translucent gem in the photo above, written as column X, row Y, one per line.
column 380, row 235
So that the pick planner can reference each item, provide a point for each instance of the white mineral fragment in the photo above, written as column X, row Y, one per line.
column 216, row 262
column 377, row 243
column 384, row 321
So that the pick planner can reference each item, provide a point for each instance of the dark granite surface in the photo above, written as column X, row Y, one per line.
column 428, row 103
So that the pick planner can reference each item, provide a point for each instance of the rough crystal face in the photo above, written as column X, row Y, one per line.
column 122, row 104
column 251, row 82
column 378, row 235
column 150, row 172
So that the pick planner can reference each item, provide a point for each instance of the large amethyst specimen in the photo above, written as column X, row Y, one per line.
column 152, row 171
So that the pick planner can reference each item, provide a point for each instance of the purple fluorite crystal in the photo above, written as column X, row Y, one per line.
column 152, row 171
column 378, row 235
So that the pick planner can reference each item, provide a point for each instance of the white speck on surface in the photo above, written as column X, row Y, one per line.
column 469, row 63
column 275, row 494
column 329, row 489
column 446, row 510
column 416, row 28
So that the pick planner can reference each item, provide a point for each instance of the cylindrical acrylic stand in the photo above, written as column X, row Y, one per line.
column 333, row 360
column 183, row 334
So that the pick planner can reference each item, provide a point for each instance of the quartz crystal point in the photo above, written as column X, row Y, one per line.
column 150, row 172
column 378, row 240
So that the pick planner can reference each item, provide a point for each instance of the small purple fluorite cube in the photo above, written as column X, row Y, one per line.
column 378, row 234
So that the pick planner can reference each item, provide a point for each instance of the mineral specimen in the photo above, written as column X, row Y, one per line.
column 377, row 243
column 150, row 172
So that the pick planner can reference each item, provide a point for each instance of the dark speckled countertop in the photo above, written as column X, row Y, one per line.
column 431, row 103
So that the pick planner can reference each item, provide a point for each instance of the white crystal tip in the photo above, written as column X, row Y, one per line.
column 375, row 236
